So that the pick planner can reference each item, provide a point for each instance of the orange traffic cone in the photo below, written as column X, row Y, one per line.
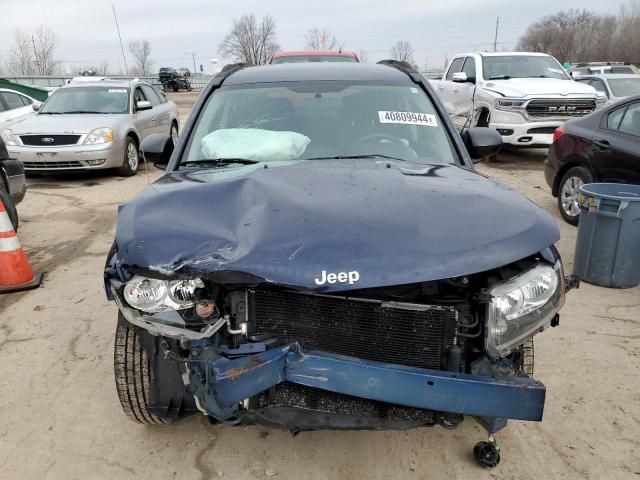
column 15, row 271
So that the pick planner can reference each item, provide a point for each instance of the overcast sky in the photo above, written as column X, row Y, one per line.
column 176, row 28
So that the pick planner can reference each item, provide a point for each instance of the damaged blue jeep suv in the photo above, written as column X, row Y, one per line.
column 321, row 254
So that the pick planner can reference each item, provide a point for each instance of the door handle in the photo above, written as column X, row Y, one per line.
column 602, row 144
column 153, row 119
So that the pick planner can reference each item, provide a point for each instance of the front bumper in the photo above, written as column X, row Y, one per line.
column 72, row 157
column 527, row 134
column 229, row 382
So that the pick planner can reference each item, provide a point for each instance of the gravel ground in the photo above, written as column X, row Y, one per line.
column 60, row 416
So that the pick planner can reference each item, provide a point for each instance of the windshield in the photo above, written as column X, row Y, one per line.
column 522, row 66
column 87, row 100
column 319, row 120
column 312, row 58
column 625, row 87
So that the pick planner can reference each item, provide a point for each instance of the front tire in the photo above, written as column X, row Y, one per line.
column 174, row 133
column 131, row 158
column 9, row 206
column 568, row 191
column 133, row 374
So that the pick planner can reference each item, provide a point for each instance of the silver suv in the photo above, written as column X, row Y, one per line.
column 93, row 125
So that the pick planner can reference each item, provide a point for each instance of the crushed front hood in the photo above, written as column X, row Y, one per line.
column 287, row 224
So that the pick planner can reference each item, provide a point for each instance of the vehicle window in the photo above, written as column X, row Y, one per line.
column 598, row 85
column 621, row 70
column 13, row 100
column 2, row 107
column 625, row 87
column 151, row 95
column 522, row 66
column 455, row 67
column 631, row 121
column 328, row 119
column 161, row 95
column 90, row 99
column 470, row 67
column 138, row 95
column 313, row 58
column 25, row 100
column 614, row 118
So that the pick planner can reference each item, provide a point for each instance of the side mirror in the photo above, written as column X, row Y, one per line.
column 482, row 142
column 36, row 106
column 460, row 77
column 143, row 105
column 157, row 149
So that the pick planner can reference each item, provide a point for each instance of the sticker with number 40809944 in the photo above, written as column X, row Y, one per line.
column 408, row 118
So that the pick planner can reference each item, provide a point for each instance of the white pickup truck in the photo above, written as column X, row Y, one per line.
column 525, row 96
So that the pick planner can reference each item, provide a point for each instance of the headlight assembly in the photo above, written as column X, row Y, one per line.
column 510, row 103
column 152, row 295
column 8, row 137
column 99, row 136
column 522, row 306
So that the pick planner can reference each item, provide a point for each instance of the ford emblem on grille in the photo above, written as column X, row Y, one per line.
column 47, row 140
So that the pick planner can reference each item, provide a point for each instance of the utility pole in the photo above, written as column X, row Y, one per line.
column 193, row 55
column 495, row 40
column 124, row 58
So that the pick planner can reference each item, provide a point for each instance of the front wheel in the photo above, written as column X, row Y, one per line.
column 568, row 191
column 131, row 159
column 174, row 133
column 133, row 375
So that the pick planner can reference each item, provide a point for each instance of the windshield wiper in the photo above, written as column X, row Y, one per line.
column 80, row 111
column 220, row 161
column 500, row 77
column 50, row 113
column 349, row 157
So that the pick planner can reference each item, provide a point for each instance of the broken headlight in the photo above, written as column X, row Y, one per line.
column 522, row 306
column 152, row 295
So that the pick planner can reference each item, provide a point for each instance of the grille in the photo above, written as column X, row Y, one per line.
column 308, row 398
column 560, row 108
column 542, row 130
column 49, row 140
column 404, row 334
column 49, row 165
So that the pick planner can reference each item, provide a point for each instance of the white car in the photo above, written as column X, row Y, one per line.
column 525, row 96
column 14, row 106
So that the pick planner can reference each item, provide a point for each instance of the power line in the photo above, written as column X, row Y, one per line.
column 124, row 58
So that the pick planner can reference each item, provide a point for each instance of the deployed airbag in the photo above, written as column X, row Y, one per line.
column 254, row 144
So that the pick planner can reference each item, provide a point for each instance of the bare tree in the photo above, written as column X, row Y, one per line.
column 250, row 41
column 20, row 61
column 320, row 39
column 141, row 51
column 44, row 42
column 104, row 68
column 582, row 36
column 403, row 51
column 363, row 55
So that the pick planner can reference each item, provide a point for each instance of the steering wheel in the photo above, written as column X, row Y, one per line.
column 378, row 136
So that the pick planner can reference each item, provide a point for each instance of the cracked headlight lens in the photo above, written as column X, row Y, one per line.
column 522, row 306
column 152, row 295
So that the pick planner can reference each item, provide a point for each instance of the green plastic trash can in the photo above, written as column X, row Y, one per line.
column 608, row 243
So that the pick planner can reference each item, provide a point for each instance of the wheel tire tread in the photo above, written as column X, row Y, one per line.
column 132, row 376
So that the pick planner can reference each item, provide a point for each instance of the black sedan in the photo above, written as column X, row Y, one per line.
column 601, row 147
